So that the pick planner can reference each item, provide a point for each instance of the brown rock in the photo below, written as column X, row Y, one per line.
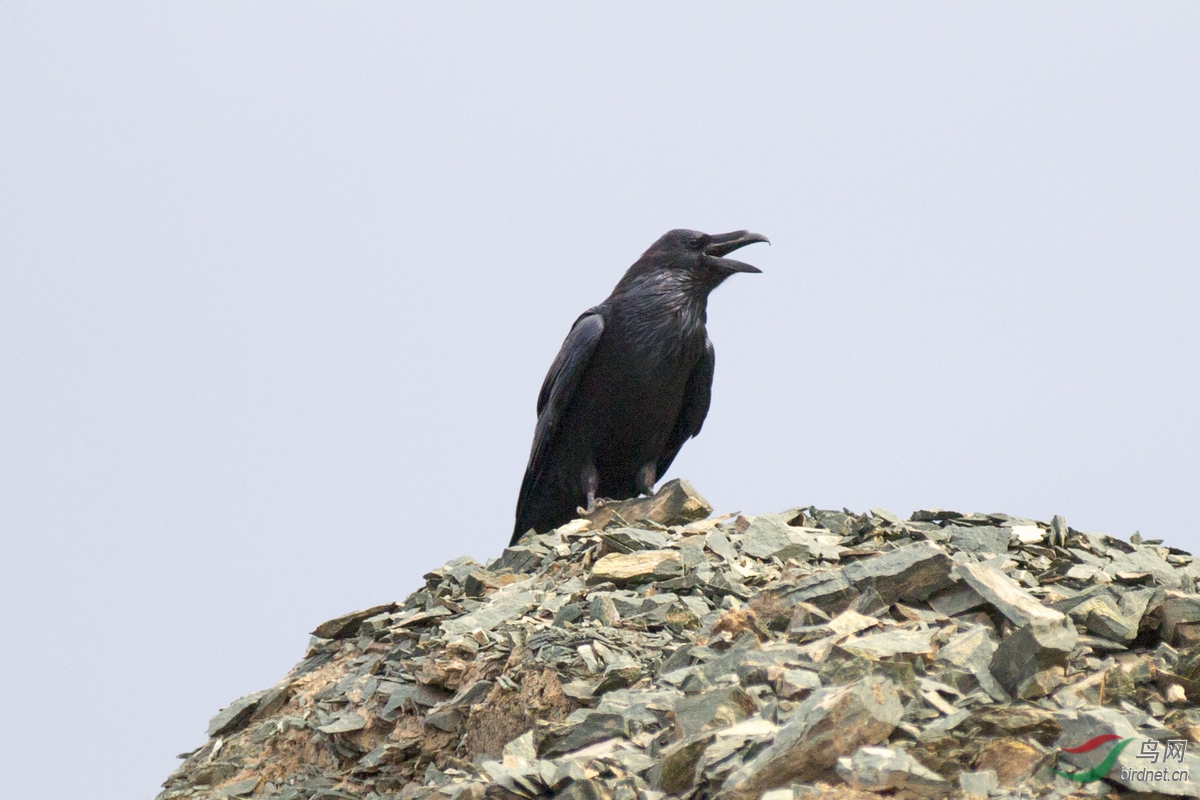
column 348, row 624
column 737, row 621
column 829, row 724
column 638, row 567
column 675, row 503
column 676, row 772
column 445, row 673
column 505, row 715
column 1010, row 759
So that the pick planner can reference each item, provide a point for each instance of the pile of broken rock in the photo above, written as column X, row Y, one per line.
column 651, row 651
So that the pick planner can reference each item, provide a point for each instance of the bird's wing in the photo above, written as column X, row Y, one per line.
column 559, row 388
column 696, row 398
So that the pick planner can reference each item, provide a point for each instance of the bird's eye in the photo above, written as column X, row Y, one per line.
column 694, row 243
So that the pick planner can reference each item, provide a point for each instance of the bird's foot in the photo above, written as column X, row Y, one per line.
column 594, row 504
column 646, row 476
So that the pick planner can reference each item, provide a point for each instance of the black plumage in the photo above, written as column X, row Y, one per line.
column 631, row 383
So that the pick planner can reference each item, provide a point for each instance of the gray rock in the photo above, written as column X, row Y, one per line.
column 1058, row 531
column 979, row 539
column 626, row 540
column 890, row 643
column 882, row 769
column 238, row 788
column 1136, row 603
column 1099, row 612
column 691, row 552
column 969, row 656
column 345, row 723
column 956, row 600
column 885, row 515
column 1031, row 661
column 911, row 573
column 769, row 537
column 1146, row 559
column 850, row 621
column 604, row 610
column 716, row 708
column 500, row 610
column 567, row 772
column 519, row 558
column 979, row 785
column 471, row 694
column 716, row 541
column 587, row 789
column 617, row 676
column 1178, row 609
column 593, row 727
column 796, row 682
column 749, row 663
column 975, row 643
column 1006, row 595
column 235, row 716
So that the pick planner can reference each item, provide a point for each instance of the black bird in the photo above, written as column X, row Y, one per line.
column 631, row 383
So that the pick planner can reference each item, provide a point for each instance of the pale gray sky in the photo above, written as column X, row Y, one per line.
column 279, row 283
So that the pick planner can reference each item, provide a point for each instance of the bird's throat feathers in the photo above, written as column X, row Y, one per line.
column 658, row 308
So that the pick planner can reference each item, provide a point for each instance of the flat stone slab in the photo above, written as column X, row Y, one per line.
column 675, row 503
column 347, row 625
column 1006, row 595
column 770, row 536
column 882, row 769
column 890, row 643
column 979, row 538
column 638, row 567
column 498, row 611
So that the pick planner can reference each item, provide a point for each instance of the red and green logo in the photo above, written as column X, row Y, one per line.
column 1100, row 770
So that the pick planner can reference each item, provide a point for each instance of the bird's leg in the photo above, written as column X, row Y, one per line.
column 590, row 481
column 646, row 477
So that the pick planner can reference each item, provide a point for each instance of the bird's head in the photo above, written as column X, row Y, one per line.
column 693, row 259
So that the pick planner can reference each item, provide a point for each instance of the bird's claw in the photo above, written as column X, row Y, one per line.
column 594, row 505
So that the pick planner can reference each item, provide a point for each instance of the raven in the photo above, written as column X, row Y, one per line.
column 631, row 384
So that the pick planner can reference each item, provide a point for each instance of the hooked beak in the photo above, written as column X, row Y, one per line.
column 722, row 244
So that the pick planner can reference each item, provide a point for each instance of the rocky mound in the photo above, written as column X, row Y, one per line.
column 651, row 651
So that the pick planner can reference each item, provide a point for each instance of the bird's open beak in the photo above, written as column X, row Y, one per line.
column 722, row 244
